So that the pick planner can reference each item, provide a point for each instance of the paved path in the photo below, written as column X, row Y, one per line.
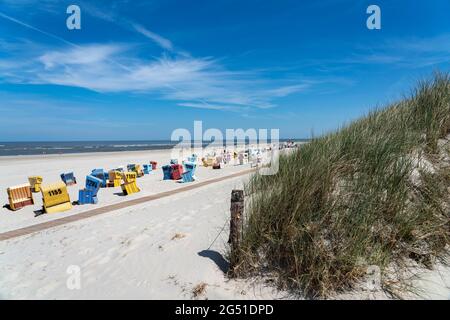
column 94, row 212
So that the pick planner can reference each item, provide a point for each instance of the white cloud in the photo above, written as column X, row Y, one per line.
column 209, row 106
column 161, row 41
column 86, row 55
column 117, row 68
column 193, row 82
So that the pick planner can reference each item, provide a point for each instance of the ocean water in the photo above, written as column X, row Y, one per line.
column 63, row 147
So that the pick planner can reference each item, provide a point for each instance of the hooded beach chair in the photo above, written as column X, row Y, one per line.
column 147, row 168
column 193, row 158
column 102, row 175
column 189, row 172
column 177, row 171
column 68, row 178
column 154, row 164
column 129, row 185
column 208, row 162
column 55, row 198
column 20, row 196
column 135, row 168
column 115, row 178
column 167, row 172
column 88, row 195
column 35, row 183
column 138, row 170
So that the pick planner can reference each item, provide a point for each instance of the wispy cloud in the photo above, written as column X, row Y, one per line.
column 194, row 82
column 161, row 41
column 211, row 106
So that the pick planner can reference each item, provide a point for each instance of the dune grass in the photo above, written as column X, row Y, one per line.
column 357, row 197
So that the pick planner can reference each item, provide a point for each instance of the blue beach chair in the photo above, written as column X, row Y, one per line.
column 102, row 175
column 189, row 172
column 88, row 195
column 192, row 158
column 167, row 172
column 68, row 178
column 147, row 168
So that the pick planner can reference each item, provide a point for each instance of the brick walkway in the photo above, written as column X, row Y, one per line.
column 94, row 212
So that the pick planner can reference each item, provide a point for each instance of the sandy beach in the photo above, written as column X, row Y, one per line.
column 156, row 250
column 162, row 249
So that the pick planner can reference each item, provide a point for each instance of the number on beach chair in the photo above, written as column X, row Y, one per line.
column 55, row 198
column 129, row 183
column 88, row 195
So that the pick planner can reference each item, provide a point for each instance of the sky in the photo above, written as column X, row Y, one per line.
column 137, row 70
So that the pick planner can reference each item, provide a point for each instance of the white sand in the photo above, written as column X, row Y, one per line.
column 15, row 170
column 130, row 253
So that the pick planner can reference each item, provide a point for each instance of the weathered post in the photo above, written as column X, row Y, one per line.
column 236, row 221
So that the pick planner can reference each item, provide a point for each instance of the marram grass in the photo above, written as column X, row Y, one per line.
column 353, row 198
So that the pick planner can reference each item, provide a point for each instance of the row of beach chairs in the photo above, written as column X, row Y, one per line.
column 55, row 197
column 184, row 172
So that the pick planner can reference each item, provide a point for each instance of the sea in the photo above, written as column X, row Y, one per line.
column 64, row 147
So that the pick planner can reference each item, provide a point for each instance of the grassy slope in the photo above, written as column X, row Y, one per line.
column 349, row 199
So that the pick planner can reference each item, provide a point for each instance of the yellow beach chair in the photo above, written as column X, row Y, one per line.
column 35, row 183
column 55, row 198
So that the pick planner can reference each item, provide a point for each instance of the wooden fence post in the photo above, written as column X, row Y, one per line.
column 236, row 222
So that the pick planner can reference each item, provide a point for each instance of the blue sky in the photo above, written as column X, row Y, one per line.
column 140, row 69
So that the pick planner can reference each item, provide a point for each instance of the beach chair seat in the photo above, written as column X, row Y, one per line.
column 135, row 168
column 138, row 170
column 88, row 195
column 167, row 172
column 193, row 158
column 208, row 162
column 189, row 174
column 241, row 158
column 147, row 168
column 130, row 188
column 129, row 185
column 55, row 198
column 68, row 178
column 20, row 196
column 102, row 175
column 177, row 171
column 115, row 178
column 35, row 183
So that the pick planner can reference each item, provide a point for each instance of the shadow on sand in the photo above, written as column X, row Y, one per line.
column 217, row 258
